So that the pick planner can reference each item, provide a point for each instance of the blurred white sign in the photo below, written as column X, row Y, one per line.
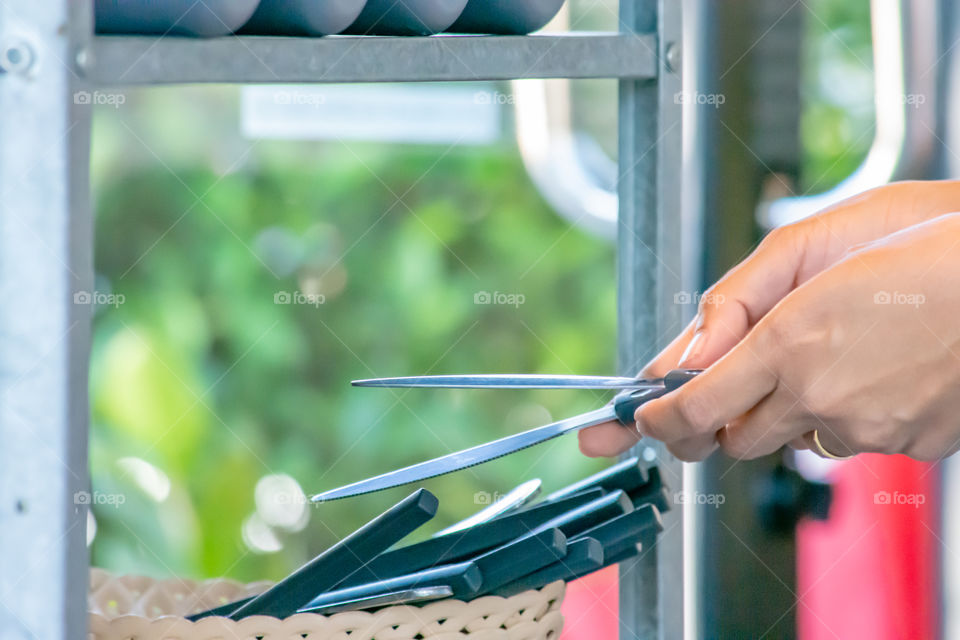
column 424, row 114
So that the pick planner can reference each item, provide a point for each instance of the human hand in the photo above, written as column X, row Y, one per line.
column 789, row 259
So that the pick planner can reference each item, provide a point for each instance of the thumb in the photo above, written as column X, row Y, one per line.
column 742, row 297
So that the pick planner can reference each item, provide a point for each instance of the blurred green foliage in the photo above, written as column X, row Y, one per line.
column 204, row 376
column 837, row 90
column 201, row 374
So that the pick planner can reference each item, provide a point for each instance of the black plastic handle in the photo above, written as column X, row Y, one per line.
column 626, row 403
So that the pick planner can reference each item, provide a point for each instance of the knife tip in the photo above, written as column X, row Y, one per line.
column 326, row 496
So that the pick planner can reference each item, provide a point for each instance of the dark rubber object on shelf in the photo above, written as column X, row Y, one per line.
column 505, row 17
column 175, row 17
column 407, row 18
column 303, row 17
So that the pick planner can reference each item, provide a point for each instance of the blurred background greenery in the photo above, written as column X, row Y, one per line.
column 215, row 408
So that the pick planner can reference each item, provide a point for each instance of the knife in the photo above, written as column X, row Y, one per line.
column 622, row 409
column 584, row 555
column 344, row 558
column 626, row 475
column 466, row 545
column 525, row 555
column 416, row 595
column 653, row 491
column 641, row 525
column 463, row 579
column 511, row 381
column 512, row 501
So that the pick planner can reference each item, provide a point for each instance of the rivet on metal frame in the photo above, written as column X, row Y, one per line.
column 16, row 56
column 83, row 60
column 672, row 57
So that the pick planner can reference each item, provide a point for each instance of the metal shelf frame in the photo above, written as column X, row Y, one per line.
column 49, row 56
column 256, row 59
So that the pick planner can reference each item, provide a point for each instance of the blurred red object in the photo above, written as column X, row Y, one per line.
column 590, row 608
column 871, row 570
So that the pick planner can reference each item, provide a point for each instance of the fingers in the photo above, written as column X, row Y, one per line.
column 778, row 419
column 607, row 440
column 671, row 354
column 726, row 390
column 737, row 301
column 694, row 449
column 802, row 442
column 831, row 442
column 612, row 438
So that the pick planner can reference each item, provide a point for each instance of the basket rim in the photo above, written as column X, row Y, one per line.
column 534, row 605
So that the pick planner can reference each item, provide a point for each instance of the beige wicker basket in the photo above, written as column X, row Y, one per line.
column 141, row 608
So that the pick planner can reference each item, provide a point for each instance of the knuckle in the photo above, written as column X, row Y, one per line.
column 683, row 454
column 924, row 453
column 775, row 237
column 734, row 444
column 791, row 333
column 711, row 299
column 820, row 402
column 872, row 438
column 693, row 449
column 783, row 236
column 778, row 334
column 696, row 411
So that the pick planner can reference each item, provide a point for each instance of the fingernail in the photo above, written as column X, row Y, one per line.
column 693, row 350
column 638, row 421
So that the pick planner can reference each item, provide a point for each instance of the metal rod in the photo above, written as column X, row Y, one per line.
column 650, row 251
column 131, row 60
column 46, row 244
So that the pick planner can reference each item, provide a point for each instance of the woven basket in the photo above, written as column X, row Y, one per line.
column 141, row 608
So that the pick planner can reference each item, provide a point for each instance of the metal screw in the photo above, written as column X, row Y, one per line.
column 16, row 56
column 672, row 57
column 82, row 60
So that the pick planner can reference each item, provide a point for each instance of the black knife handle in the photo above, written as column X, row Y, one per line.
column 342, row 559
column 627, row 402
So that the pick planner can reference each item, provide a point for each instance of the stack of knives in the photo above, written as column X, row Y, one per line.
column 599, row 521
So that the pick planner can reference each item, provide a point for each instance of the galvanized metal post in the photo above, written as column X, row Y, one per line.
column 45, row 259
column 651, row 272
